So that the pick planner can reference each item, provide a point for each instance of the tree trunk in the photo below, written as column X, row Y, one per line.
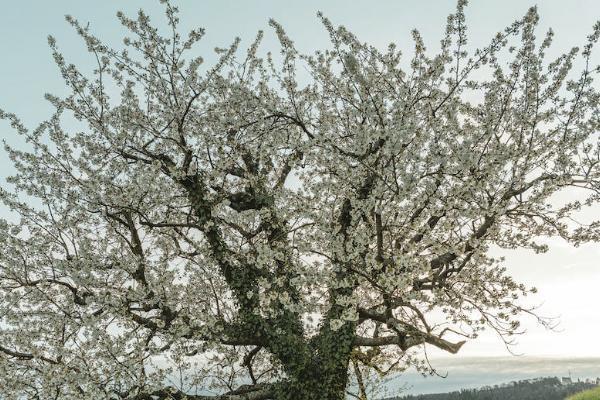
column 314, row 385
column 325, row 375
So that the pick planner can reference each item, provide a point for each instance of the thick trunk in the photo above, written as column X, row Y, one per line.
column 320, row 380
column 314, row 384
column 324, row 375
column 310, row 390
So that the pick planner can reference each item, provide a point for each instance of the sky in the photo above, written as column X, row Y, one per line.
column 568, row 278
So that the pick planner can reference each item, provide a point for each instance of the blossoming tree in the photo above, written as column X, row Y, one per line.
column 269, row 235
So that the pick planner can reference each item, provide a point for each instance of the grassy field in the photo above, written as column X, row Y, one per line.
column 593, row 394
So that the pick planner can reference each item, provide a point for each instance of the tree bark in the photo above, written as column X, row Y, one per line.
column 325, row 374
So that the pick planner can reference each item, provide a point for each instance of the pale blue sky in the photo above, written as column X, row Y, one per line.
column 27, row 70
column 568, row 278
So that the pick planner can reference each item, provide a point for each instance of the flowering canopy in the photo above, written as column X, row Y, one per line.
column 233, row 228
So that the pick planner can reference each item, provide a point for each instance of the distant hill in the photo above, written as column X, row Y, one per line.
column 532, row 389
column 456, row 373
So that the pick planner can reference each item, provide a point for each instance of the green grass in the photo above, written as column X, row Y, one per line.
column 593, row 394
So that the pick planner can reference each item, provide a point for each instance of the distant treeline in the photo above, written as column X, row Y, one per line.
column 542, row 388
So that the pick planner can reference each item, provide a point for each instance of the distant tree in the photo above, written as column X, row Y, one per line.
column 241, row 229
